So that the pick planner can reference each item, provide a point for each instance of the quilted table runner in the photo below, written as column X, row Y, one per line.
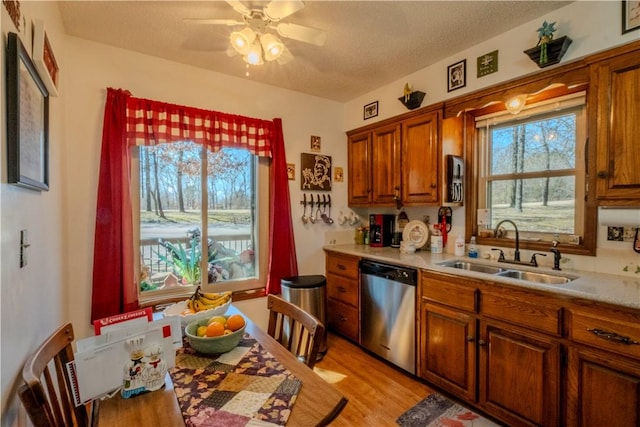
column 244, row 387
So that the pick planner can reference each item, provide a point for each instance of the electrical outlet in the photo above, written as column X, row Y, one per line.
column 615, row 234
column 629, row 234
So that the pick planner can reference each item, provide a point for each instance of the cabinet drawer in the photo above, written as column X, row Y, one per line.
column 343, row 289
column 343, row 265
column 451, row 294
column 541, row 317
column 343, row 318
column 616, row 335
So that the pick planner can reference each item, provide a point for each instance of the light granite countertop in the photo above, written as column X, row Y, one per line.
column 609, row 288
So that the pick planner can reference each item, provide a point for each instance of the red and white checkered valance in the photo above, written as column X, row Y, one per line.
column 152, row 122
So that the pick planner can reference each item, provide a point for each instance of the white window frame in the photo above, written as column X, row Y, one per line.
column 261, row 231
column 540, row 109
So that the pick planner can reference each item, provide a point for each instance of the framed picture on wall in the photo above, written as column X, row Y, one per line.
column 370, row 110
column 457, row 75
column 315, row 172
column 630, row 15
column 44, row 59
column 27, row 120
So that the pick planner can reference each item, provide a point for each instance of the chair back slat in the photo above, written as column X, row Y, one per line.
column 48, row 398
column 304, row 332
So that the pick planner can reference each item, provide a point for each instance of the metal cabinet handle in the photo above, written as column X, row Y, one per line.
column 470, row 338
column 612, row 336
column 343, row 319
column 482, row 342
column 342, row 289
column 602, row 174
column 341, row 267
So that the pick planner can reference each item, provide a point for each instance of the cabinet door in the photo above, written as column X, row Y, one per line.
column 420, row 159
column 385, row 165
column 359, row 169
column 618, row 118
column 519, row 375
column 603, row 390
column 447, row 349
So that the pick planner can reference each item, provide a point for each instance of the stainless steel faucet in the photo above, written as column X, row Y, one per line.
column 516, row 255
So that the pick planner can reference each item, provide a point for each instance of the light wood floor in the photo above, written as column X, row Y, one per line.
column 378, row 392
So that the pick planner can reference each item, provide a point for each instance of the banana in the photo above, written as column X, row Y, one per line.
column 214, row 301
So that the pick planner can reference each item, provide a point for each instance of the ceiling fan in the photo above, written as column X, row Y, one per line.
column 255, row 42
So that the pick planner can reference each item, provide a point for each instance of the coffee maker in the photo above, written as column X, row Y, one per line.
column 381, row 228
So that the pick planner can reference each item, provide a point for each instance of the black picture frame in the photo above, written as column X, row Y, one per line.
column 370, row 110
column 457, row 75
column 27, row 120
column 630, row 15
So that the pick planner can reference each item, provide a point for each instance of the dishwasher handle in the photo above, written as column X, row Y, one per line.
column 408, row 276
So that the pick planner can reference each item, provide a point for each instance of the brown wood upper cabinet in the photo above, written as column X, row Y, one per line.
column 617, row 118
column 396, row 160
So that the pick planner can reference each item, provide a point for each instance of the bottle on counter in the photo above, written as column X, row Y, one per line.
column 473, row 250
column 436, row 240
column 459, row 246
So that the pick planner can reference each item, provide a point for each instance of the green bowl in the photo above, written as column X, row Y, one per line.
column 212, row 345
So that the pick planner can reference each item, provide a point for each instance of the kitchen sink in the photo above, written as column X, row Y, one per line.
column 530, row 276
column 470, row 266
column 494, row 270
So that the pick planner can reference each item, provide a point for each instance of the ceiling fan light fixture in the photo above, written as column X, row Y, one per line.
column 272, row 46
column 254, row 56
column 242, row 40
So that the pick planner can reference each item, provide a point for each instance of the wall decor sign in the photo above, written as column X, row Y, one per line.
column 27, row 120
column 44, row 59
column 630, row 15
column 488, row 63
column 315, row 172
column 457, row 75
column 315, row 144
column 371, row 110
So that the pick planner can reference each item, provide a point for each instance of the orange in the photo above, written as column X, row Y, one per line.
column 215, row 329
column 235, row 322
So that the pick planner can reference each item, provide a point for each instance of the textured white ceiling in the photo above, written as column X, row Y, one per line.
column 369, row 43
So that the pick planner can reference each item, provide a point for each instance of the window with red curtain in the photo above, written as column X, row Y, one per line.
column 135, row 122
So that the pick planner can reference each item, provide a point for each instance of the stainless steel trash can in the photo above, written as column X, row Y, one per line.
column 310, row 294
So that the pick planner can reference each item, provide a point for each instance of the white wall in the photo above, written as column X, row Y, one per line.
column 592, row 25
column 34, row 299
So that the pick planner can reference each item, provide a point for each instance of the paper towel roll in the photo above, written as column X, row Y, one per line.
column 619, row 217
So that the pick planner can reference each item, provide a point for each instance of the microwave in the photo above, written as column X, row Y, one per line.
column 381, row 228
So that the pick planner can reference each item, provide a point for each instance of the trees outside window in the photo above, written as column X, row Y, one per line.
column 193, row 201
column 531, row 169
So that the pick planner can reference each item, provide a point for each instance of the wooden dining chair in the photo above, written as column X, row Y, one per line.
column 297, row 330
column 48, row 400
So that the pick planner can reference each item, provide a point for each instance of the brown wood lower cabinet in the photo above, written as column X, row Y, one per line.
column 519, row 375
column 448, row 356
column 527, row 357
column 602, row 390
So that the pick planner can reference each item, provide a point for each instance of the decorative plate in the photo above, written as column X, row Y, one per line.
column 417, row 233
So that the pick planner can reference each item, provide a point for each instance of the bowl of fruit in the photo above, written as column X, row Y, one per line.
column 201, row 305
column 216, row 334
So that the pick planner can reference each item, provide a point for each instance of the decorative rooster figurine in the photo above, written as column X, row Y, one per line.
column 407, row 92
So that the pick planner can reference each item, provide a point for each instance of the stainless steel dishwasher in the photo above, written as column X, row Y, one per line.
column 388, row 314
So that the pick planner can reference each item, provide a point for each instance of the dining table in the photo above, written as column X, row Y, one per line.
column 317, row 403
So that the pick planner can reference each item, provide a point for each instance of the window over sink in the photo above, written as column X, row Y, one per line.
column 530, row 168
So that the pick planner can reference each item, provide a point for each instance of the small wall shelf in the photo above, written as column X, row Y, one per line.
column 555, row 51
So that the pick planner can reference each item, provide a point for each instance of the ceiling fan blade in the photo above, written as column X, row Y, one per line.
column 228, row 22
column 277, row 9
column 302, row 33
column 239, row 7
